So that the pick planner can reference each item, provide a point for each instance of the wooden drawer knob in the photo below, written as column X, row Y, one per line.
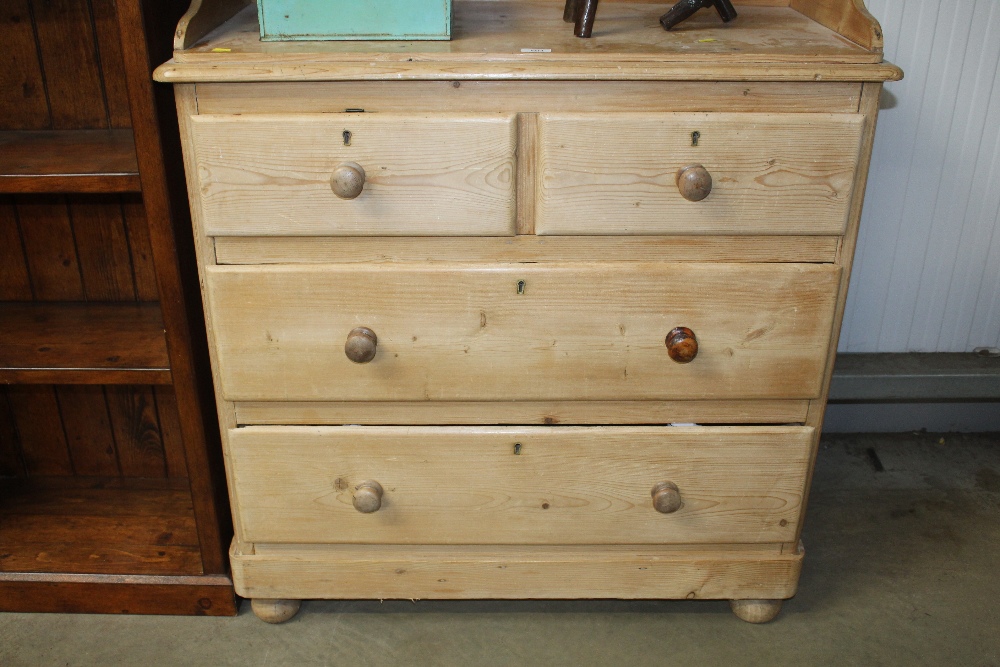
column 348, row 180
column 368, row 497
column 694, row 182
column 361, row 345
column 682, row 346
column 666, row 497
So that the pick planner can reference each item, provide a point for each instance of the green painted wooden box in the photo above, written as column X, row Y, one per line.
column 354, row 19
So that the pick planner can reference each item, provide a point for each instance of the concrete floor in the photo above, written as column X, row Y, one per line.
column 901, row 569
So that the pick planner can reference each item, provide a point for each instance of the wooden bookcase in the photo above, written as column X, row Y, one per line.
column 111, row 490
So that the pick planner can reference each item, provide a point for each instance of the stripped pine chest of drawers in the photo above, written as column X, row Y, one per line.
column 521, row 315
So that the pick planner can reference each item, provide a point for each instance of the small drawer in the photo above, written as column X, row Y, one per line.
column 521, row 332
column 519, row 485
column 621, row 173
column 355, row 174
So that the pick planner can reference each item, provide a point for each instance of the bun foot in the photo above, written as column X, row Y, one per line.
column 755, row 611
column 274, row 611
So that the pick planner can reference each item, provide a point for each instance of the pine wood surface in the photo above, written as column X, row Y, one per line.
column 488, row 38
column 770, row 173
column 282, row 296
column 579, row 332
column 522, row 412
column 413, row 572
column 525, row 248
column 526, row 96
column 475, row 485
column 438, row 174
column 68, row 161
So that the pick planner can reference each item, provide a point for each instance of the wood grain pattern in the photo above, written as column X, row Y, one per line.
column 412, row 572
column 474, row 485
column 525, row 96
column 102, row 249
column 203, row 17
column 580, row 331
column 140, row 249
column 68, row 161
column 39, row 431
column 171, row 432
column 23, row 105
column 270, row 174
column 47, row 236
column 772, row 174
column 15, row 283
column 493, row 34
column 68, row 49
column 109, row 47
column 523, row 412
column 137, row 431
column 80, row 343
column 206, row 595
column 525, row 248
column 85, row 419
column 97, row 525
column 850, row 19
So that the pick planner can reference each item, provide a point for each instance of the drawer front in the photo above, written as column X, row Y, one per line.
column 521, row 331
column 270, row 175
column 617, row 173
column 519, row 485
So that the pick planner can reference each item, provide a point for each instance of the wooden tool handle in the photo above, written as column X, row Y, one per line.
column 368, row 497
column 361, row 345
column 682, row 346
column 348, row 180
column 694, row 182
column 666, row 497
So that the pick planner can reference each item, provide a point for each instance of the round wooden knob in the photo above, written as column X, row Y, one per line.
column 694, row 182
column 361, row 344
column 666, row 497
column 348, row 180
column 682, row 346
column 368, row 497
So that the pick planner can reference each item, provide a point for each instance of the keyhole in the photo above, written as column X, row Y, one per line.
column 517, row 448
column 347, row 137
column 520, row 287
column 695, row 136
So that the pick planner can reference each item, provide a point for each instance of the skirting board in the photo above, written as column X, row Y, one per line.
column 902, row 417
column 468, row 572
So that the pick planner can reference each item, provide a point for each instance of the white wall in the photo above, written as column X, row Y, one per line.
column 927, row 270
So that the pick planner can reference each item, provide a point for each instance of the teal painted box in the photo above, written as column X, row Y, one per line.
column 282, row 20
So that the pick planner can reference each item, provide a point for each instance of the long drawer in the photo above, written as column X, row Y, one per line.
column 621, row 173
column 355, row 174
column 519, row 485
column 574, row 331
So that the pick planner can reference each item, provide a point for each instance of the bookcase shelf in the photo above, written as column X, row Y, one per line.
column 83, row 343
column 82, row 161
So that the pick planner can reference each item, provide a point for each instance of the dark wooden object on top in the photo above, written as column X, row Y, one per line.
column 112, row 493
column 581, row 13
